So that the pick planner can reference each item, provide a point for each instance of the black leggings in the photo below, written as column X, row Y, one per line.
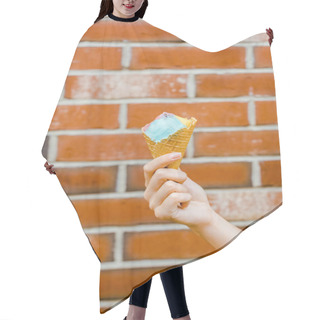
column 172, row 281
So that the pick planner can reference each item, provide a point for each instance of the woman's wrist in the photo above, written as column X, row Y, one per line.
column 216, row 230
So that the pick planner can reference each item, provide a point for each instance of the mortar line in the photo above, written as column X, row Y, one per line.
column 126, row 72
column 256, row 174
column 81, row 164
column 190, row 148
column 126, row 56
column 191, row 86
column 249, row 57
column 145, row 228
column 143, row 263
column 123, row 116
column 118, row 245
column 121, row 184
column 135, row 228
column 148, row 100
column 140, row 194
column 62, row 93
column 138, row 131
column 107, row 303
column 252, row 112
column 52, row 148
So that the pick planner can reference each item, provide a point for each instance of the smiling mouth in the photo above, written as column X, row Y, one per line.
column 129, row 6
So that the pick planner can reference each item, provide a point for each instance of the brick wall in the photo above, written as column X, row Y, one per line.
column 122, row 76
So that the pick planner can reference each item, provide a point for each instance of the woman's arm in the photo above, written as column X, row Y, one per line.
column 173, row 196
column 218, row 231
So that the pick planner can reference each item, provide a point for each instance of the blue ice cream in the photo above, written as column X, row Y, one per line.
column 163, row 126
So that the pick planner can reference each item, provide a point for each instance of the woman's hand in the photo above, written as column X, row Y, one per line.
column 49, row 168
column 175, row 197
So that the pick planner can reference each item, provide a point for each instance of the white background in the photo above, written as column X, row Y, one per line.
column 48, row 269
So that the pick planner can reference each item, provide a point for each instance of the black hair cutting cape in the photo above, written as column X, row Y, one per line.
column 124, row 74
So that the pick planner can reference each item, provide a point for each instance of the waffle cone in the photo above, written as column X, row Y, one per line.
column 176, row 142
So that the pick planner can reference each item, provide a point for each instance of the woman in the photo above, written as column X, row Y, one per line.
column 171, row 194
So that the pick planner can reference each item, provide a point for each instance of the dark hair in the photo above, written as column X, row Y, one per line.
column 106, row 7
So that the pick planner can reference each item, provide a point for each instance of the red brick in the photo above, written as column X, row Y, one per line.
column 262, row 57
column 186, row 58
column 270, row 173
column 135, row 178
column 219, row 175
column 245, row 205
column 208, row 175
column 108, row 58
column 129, row 85
column 102, row 147
column 118, row 284
column 173, row 244
column 112, row 30
column 114, row 212
column 75, row 117
column 87, row 179
column 104, row 309
column 235, row 143
column 266, row 112
column 235, row 85
column 208, row 114
column 232, row 205
column 102, row 244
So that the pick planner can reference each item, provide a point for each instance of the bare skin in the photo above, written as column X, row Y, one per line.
column 270, row 35
column 136, row 313
column 49, row 168
column 175, row 197
column 126, row 8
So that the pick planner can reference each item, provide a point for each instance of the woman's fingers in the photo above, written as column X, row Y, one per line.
column 160, row 162
column 171, row 204
column 160, row 177
column 165, row 190
column 49, row 168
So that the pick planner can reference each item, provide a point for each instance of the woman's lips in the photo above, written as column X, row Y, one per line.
column 129, row 6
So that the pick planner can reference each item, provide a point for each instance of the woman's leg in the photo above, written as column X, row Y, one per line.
column 173, row 285
column 138, row 302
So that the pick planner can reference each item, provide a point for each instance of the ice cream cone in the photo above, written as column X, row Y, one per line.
column 176, row 142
